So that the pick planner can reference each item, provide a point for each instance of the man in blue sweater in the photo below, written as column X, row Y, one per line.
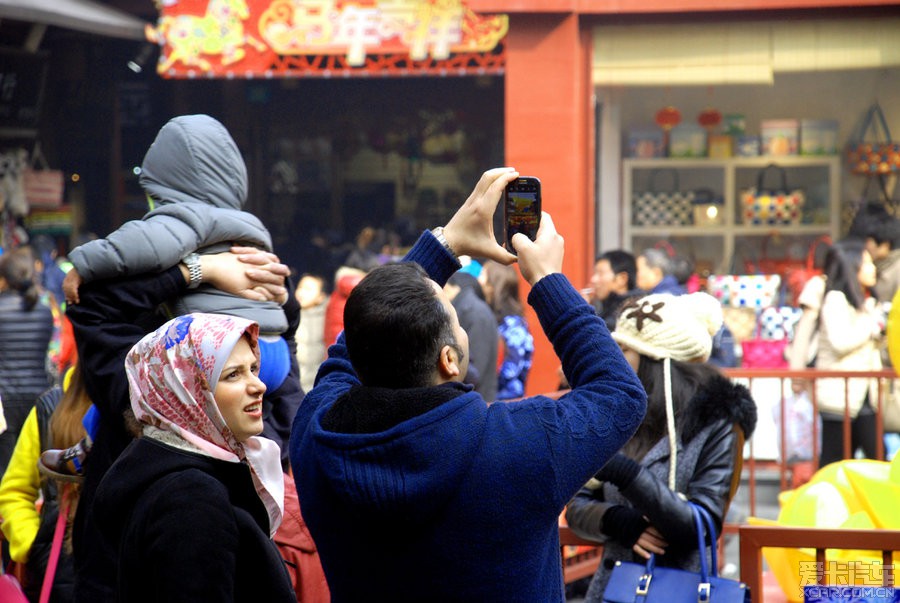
column 413, row 486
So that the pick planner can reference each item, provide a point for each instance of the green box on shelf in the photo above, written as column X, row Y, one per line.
column 687, row 140
column 818, row 136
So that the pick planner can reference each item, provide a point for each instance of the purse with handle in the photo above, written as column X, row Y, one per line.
column 764, row 350
column 877, row 155
column 657, row 207
column 636, row 583
column 772, row 206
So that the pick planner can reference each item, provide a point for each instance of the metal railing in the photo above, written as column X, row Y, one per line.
column 752, row 464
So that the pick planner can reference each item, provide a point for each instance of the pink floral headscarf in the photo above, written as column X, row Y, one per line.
column 172, row 374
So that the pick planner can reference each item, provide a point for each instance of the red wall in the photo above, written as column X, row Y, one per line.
column 549, row 126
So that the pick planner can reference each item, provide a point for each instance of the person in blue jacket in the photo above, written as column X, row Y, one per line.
column 416, row 488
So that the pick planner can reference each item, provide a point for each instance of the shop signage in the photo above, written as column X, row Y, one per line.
column 291, row 38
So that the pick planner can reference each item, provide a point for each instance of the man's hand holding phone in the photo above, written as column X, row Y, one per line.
column 542, row 256
column 521, row 209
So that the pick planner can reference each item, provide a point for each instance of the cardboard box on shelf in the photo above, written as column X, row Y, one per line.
column 818, row 136
column 720, row 146
column 646, row 142
column 747, row 146
column 780, row 136
column 687, row 140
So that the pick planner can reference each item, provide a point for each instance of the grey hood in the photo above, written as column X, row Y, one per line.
column 194, row 159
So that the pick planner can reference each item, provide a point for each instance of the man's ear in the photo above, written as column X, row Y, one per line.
column 448, row 364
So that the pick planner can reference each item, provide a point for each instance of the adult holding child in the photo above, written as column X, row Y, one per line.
column 109, row 320
column 459, row 499
column 195, row 500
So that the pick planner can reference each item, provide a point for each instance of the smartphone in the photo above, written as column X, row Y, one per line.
column 521, row 209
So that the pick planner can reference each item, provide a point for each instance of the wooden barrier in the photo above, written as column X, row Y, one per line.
column 584, row 563
column 754, row 538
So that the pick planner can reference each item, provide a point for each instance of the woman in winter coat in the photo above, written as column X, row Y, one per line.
column 26, row 326
column 851, row 331
column 686, row 449
column 501, row 290
column 55, row 421
column 193, row 503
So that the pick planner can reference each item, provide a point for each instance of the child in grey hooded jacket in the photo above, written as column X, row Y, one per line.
column 196, row 183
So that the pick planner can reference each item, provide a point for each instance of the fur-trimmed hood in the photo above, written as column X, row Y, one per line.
column 720, row 399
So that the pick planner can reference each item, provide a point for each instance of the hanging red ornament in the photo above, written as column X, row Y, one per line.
column 709, row 118
column 668, row 117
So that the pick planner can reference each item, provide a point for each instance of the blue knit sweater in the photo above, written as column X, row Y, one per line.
column 461, row 502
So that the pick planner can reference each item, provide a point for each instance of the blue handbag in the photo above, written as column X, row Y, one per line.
column 636, row 583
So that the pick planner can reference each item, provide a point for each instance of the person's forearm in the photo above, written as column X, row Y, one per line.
column 437, row 261
column 106, row 326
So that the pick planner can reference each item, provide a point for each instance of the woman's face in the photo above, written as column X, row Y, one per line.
column 867, row 274
column 239, row 392
column 633, row 358
column 486, row 287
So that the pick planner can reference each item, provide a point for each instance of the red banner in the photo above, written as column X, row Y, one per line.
column 291, row 38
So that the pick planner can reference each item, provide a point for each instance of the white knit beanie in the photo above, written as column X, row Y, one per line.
column 668, row 326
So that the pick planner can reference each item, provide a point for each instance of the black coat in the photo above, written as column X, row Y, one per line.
column 186, row 527
column 477, row 319
column 110, row 318
column 707, row 452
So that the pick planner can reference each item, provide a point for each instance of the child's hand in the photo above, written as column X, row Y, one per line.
column 70, row 286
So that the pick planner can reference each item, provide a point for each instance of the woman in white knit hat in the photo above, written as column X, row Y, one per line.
column 686, row 448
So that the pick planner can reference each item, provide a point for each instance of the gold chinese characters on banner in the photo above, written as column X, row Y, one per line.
column 274, row 38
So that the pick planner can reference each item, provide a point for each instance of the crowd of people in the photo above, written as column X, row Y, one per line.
column 230, row 429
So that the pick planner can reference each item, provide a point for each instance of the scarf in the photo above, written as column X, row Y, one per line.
column 172, row 375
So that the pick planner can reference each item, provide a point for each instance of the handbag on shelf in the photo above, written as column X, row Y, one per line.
column 877, row 155
column 762, row 206
column 765, row 263
column 635, row 583
column 655, row 207
column 745, row 290
column 44, row 187
column 764, row 351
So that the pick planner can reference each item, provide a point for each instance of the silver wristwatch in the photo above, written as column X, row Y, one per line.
column 439, row 235
column 192, row 262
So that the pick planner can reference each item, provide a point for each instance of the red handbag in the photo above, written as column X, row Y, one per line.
column 796, row 278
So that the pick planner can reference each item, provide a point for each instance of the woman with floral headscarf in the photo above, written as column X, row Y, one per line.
column 192, row 504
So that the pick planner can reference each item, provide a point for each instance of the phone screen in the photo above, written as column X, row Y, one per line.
column 522, row 208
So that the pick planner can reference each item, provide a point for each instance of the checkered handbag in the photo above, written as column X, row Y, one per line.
column 655, row 207
column 778, row 322
column 762, row 206
column 745, row 290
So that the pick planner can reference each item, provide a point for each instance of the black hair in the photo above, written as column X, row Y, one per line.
column 682, row 269
column 842, row 262
column 464, row 280
column 505, row 299
column 17, row 268
column 621, row 261
column 887, row 231
column 687, row 378
column 395, row 327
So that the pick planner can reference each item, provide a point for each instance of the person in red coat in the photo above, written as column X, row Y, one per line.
column 345, row 279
